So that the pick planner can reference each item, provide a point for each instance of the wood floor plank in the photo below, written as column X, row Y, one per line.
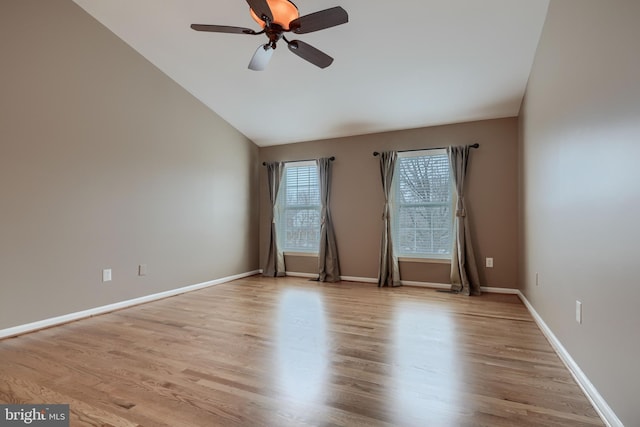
column 289, row 352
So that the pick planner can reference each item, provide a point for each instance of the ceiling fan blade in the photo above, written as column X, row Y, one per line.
column 261, row 58
column 319, row 20
column 222, row 29
column 310, row 53
column 261, row 8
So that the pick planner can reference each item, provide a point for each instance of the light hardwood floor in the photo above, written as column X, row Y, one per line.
column 290, row 352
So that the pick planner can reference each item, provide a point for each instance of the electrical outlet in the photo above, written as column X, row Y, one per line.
column 578, row 312
column 142, row 270
column 106, row 275
column 489, row 263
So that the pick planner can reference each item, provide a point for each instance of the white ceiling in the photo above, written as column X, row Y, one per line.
column 398, row 65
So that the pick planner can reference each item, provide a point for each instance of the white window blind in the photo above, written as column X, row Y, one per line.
column 423, row 204
column 299, row 225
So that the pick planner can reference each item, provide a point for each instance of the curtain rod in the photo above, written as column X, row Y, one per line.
column 476, row 145
column 332, row 158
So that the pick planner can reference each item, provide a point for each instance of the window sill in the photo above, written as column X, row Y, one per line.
column 308, row 254
column 425, row 260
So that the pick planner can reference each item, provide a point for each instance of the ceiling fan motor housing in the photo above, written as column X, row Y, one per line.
column 274, row 32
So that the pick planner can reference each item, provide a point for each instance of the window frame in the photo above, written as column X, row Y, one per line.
column 283, row 208
column 397, row 205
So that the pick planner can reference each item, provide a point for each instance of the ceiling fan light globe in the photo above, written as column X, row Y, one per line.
column 283, row 12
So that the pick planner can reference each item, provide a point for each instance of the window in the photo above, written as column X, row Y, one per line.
column 423, row 200
column 299, row 202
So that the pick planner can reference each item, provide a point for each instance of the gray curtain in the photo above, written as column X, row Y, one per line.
column 464, row 272
column 328, row 266
column 389, row 272
column 274, row 265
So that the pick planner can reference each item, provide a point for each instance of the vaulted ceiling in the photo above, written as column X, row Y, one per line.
column 398, row 65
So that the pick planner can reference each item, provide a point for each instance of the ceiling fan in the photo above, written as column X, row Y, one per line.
column 278, row 17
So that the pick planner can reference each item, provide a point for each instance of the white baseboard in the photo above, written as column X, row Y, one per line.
column 598, row 402
column 494, row 290
column 359, row 279
column 345, row 278
column 297, row 274
column 47, row 323
column 425, row 284
column 432, row 285
column 488, row 289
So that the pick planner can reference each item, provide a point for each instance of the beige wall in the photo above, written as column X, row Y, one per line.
column 357, row 199
column 107, row 163
column 581, row 191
